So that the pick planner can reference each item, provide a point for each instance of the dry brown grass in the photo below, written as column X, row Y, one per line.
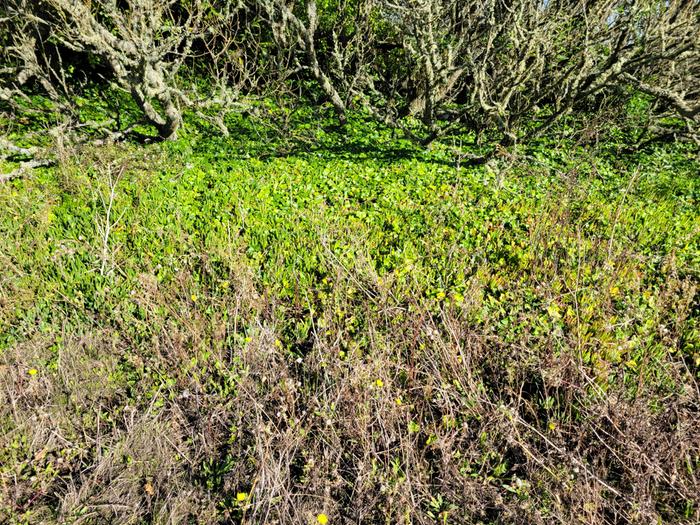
column 427, row 406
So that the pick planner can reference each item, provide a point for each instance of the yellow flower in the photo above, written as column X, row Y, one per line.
column 379, row 383
column 322, row 519
column 194, row 298
column 552, row 425
column 33, row 371
column 148, row 488
column 241, row 496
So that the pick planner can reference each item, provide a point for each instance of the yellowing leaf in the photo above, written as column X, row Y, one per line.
column 553, row 311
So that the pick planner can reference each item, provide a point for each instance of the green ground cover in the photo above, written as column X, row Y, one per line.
column 238, row 329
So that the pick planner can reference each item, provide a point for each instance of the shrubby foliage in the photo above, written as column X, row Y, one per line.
column 506, row 68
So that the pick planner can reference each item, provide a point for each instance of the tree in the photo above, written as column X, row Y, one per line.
column 493, row 63
column 142, row 44
column 334, row 44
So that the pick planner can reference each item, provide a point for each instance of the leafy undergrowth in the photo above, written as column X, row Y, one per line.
column 190, row 336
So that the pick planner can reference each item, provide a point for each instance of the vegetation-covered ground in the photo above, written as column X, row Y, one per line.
column 350, row 330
